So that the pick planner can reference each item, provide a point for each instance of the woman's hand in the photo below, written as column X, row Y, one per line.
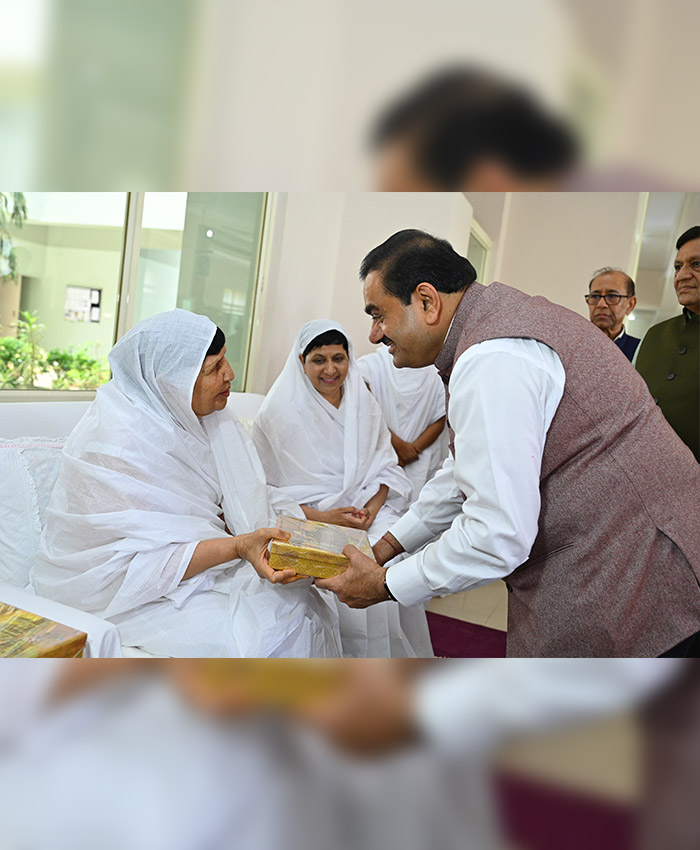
column 371, row 710
column 349, row 517
column 374, row 505
column 365, row 517
column 252, row 547
column 407, row 452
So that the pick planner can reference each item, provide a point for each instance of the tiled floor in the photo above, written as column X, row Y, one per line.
column 485, row 606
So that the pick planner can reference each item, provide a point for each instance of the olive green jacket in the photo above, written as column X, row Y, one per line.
column 669, row 362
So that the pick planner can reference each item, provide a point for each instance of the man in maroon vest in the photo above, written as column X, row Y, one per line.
column 564, row 478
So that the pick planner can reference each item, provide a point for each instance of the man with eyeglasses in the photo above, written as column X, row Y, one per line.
column 669, row 359
column 610, row 300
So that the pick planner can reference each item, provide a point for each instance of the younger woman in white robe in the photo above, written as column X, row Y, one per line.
column 161, row 506
column 413, row 404
column 323, row 441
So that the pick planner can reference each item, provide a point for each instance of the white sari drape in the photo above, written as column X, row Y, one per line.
column 411, row 400
column 328, row 457
column 143, row 481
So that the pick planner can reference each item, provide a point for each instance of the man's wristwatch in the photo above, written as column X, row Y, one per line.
column 386, row 587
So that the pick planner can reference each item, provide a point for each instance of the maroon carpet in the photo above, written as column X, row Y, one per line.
column 537, row 816
column 456, row 639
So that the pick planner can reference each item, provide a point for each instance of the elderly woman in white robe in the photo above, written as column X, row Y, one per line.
column 323, row 441
column 413, row 404
column 161, row 516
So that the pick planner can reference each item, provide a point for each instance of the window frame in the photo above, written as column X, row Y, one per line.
column 126, row 295
column 477, row 232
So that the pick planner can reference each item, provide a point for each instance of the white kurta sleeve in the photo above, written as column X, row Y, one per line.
column 439, row 502
column 470, row 706
column 503, row 396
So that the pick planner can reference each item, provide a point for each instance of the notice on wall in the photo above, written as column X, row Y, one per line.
column 82, row 304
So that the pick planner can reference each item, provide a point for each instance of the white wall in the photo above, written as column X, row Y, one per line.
column 349, row 60
column 553, row 241
column 318, row 245
column 544, row 244
column 300, row 278
column 368, row 220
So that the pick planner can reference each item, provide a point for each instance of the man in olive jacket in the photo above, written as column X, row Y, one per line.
column 669, row 356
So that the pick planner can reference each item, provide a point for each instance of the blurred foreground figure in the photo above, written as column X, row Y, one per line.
column 466, row 128
column 670, row 817
column 468, row 709
column 209, row 755
column 198, row 755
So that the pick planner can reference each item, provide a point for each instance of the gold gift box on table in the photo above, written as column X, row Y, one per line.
column 315, row 548
column 27, row 635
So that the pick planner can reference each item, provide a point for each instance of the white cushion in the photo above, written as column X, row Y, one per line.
column 28, row 471
column 50, row 418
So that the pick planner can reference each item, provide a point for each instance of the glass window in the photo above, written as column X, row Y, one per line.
column 61, row 274
column 58, row 304
column 200, row 251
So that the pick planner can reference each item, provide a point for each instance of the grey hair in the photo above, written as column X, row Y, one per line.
column 606, row 269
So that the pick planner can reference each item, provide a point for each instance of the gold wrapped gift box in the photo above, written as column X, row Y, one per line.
column 27, row 635
column 315, row 548
column 270, row 682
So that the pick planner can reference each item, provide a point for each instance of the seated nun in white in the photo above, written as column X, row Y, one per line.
column 160, row 517
column 323, row 441
column 413, row 404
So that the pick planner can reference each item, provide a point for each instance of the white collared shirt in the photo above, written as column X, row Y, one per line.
column 467, row 707
column 503, row 396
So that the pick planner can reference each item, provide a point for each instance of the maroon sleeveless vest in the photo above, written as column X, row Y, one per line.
column 614, row 568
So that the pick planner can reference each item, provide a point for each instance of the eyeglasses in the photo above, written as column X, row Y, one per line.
column 611, row 298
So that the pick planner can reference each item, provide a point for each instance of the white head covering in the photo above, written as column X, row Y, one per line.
column 142, row 478
column 321, row 455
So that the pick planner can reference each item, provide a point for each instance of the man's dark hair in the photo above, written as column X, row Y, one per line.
column 688, row 236
column 460, row 117
column 607, row 270
column 331, row 337
column 410, row 257
column 217, row 343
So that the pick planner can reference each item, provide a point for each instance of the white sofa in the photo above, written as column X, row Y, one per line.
column 32, row 435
